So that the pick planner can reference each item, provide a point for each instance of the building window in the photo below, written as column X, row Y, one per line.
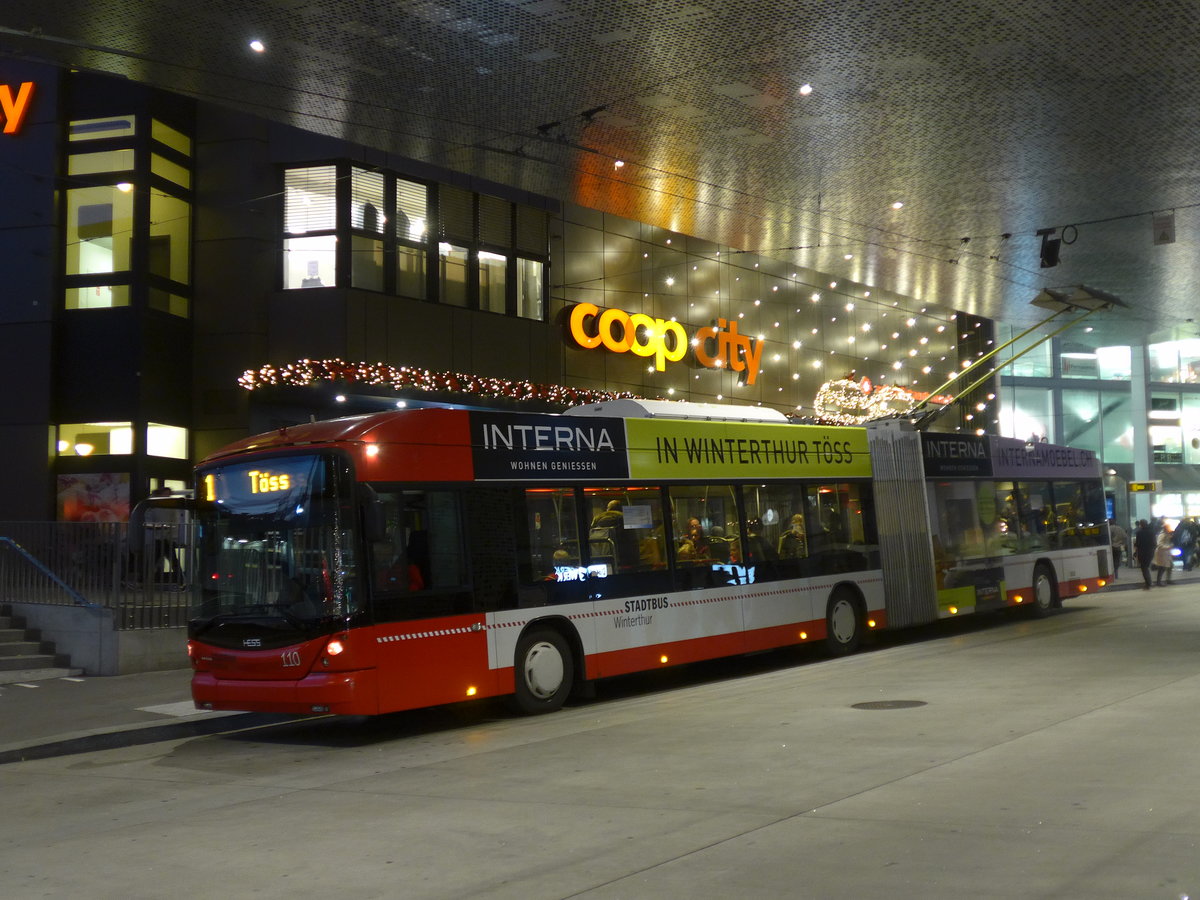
column 99, row 229
column 530, row 288
column 100, row 296
column 101, row 129
column 97, row 163
column 170, row 237
column 493, row 269
column 412, row 211
column 410, row 272
column 95, row 439
column 453, row 262
column 378, row 225
column 166, row 440
column 102, row 224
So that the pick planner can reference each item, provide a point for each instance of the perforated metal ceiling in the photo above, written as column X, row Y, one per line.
column 988, row 119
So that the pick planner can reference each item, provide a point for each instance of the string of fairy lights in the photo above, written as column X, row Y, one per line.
column 841, row 402
column 309, row 372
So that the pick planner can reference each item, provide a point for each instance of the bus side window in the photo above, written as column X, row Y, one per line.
column 549, row 566
column 388, row 563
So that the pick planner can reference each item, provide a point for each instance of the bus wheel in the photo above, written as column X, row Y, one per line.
column 544, row 671
column 843, row 624
column 1045, row 591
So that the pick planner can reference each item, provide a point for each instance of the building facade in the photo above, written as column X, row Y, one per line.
column 185, row 274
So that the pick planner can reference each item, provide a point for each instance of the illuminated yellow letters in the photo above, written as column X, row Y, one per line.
column 621, row 332
column 266, row 483
column 13, row 109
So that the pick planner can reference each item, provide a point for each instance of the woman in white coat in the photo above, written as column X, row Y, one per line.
column 1162, row 554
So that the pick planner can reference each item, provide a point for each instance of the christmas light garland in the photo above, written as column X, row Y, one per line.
column 842, row 402
column 846, row 402
column 306, row 372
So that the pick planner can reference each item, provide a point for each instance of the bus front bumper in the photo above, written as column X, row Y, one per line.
column 338, row 693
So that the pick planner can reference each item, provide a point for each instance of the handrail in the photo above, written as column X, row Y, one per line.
column 80, row 600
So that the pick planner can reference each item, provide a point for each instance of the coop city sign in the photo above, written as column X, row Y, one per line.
column 716, row 347
column 14, row 103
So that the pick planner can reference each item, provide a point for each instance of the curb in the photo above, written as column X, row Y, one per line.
column 144, row 734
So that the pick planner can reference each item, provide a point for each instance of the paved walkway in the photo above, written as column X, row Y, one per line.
column 53, row 713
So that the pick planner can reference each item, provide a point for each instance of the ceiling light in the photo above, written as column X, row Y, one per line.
column 806, row 89
column 619, row 164
column 257, row 46
column 899, row 204
column 124, row 187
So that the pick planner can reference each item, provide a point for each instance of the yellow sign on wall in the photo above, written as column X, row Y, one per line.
column 661, row 449
column 715, row 347
column 1139, row 487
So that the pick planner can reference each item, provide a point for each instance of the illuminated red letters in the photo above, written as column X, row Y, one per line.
column 13, row 108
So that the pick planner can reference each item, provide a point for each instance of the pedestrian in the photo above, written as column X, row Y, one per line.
column 1143, row 549
column 1163, row 560
column 1120, row 540
column 1185, row 540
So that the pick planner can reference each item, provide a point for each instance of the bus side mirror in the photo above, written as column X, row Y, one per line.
column 373, row 518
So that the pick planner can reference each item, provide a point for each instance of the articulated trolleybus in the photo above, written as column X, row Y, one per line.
column 421, row 557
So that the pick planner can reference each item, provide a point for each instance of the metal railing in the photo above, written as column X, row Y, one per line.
column 94, row 564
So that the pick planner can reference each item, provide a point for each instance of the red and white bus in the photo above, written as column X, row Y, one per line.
column 422, row 557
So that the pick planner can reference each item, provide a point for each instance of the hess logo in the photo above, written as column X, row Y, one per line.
column 14, row 103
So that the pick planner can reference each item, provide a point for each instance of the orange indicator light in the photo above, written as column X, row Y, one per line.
column 870, row 623
column 471, row 692
column 1017, row 598
column 954, row 610
column 804, row 635
column 1083, row 589
column 663, row 658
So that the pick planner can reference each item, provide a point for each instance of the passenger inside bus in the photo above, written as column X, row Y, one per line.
column 793, row 543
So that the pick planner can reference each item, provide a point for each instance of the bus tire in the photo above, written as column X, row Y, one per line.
column 544, row 671
column 1045, row 591
column 843, row 623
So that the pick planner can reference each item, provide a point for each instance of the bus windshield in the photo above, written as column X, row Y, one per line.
column 276, row 541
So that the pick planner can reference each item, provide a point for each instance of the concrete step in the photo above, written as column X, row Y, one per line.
column 32, row 661
column 23, row 648
column 20, row 676
column 11, row 634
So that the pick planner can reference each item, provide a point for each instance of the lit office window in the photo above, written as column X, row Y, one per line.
column 493, row 269
column 98, row 163
column 530, row 288
column 171, row 171
column 101, row 129
column 310, row 261
column 412, row 210
column 453, row 264
column 101, row 296
column 169, row 137
column 166, row 440
column 99, row 230
column 410, row 271
column 366, row 262
column 95, row 439
column 366, row 201
column 170, row 237
column 310, row 200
